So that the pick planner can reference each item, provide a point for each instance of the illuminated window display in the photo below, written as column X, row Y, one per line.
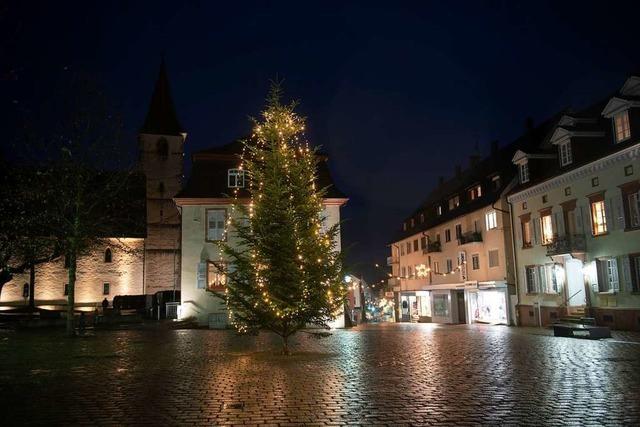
column 489, row 307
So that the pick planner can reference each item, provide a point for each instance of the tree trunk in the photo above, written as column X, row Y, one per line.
column 71, row 296
column 32, row 287
column 285, row 345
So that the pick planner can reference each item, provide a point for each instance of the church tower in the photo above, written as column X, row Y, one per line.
column 161, row 141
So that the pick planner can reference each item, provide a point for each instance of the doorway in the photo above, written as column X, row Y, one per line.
column 462, row 312
column 576, row 296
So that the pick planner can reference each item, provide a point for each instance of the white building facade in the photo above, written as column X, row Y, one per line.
column 576, row 216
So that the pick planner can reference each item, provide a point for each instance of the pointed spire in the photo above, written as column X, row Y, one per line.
column 162, row 118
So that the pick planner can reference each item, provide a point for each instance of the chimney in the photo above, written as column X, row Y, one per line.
column 458, row 170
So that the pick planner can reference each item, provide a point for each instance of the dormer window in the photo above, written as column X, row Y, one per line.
column 413, row 222
column 439, row 210
column 621, row 126
column 495, row 182
column 235, row 178
column 454, row 202
column 564, row 150
column 475, row 192
column 524, row 172
column 422, row 217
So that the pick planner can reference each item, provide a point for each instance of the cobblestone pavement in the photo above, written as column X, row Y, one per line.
column 389, row 374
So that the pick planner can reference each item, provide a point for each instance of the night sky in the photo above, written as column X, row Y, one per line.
column 397, row 95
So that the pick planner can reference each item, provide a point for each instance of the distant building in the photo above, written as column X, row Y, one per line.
column 576, row 215
column 205, row 205
column 151, row 262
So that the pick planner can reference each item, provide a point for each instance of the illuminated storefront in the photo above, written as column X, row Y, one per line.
column 488, row 304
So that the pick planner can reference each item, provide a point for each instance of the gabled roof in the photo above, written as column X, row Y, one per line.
column 208, row 178
column 617, row 104
column 162, row 118
column 631, row 87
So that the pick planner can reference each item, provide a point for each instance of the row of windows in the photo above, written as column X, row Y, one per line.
column 414, row 271
column 473, row 193
column 491, row 222
column 543, row 231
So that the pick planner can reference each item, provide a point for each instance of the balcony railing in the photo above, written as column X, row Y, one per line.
column 570, row 243
column 432, row 247
column 392, row 260
column 470, row 237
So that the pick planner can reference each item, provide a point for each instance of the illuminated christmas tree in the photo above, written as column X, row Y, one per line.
column 285, row 271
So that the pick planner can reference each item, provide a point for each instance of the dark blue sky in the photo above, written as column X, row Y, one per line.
column 397, row 94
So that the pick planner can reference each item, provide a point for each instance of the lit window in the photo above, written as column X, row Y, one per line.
column 475, row 261
column 524, row 173
column 235, row 178
column 475, row 192
column 565, row 153
column 598, row 218
column 215, row 224
column 526, row 233
column 621, row 125
column 494, row 259
column 216, row 277
column 439, row 210
column 491, row 220
column 547, row 229
column 454, row 202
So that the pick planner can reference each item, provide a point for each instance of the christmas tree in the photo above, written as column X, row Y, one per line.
column 285, row 270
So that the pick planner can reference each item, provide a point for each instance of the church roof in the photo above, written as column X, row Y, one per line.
column 162, row 118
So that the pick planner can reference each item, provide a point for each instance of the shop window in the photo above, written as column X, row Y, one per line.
column 107, row 255
column 215, row 224
column 491, row 220
column 598, row 216
column 621, row 126
column 475, row 261
column 441, row 305
column 216, row 277
column 494, row 258
column 105, row 289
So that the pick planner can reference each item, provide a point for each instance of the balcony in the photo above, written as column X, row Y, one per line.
column 568, row 244
column 432, row 247
column 392, row 260
column 470, row 237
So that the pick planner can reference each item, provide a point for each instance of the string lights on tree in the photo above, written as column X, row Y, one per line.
column 285, row 269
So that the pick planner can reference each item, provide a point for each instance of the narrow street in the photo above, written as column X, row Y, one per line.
column 395, row 374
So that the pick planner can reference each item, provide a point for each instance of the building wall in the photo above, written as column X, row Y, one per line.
column 494, row 239
column 201, row 303
column 124, row 275
column 617, row 242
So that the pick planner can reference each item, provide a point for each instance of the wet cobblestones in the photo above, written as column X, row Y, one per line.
column 390, row 374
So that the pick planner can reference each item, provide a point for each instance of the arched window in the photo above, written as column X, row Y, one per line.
column 162, row 147
column 107, row 255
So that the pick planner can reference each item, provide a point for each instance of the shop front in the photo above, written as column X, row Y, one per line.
column 415, row 306
column 488, row 303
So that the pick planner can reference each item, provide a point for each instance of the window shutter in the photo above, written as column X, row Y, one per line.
column 201, row 275
column 625, row 263
column 560, row 227
column 618, row 211
column 536, row 230
column 611, row 224
column 615, row 280
column 602, row 277
column 579, row 220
